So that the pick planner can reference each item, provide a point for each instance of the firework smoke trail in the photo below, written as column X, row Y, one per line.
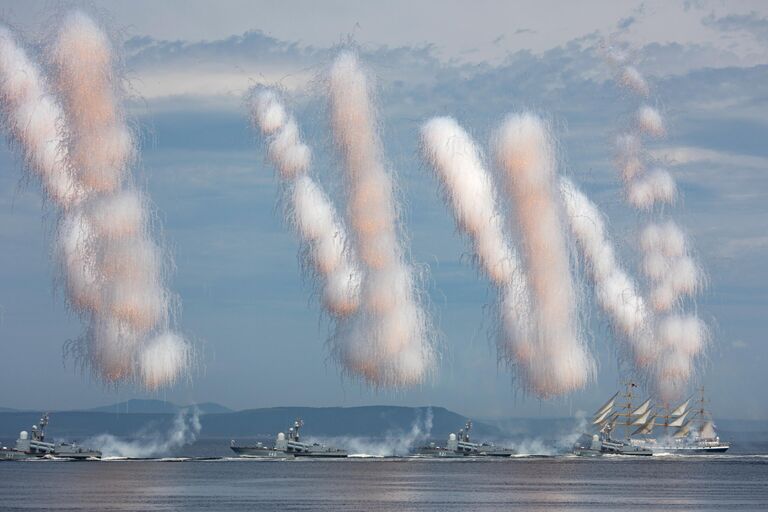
column 559, row 362
column 31, row 116
column 80, row 150
column 617, row 293
column 114, row 269
column 314, row 216
column 671, row 272
column 388, row 343
column 469, row 191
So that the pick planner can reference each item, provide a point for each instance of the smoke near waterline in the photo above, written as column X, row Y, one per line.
column 184, row 431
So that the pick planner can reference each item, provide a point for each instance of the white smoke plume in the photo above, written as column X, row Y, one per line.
column 629, row 156
column 184, row 431
column 654, row 187
column 650, row 122
column 668, row 265
column 671, row 272
column 389, row 341
column 31, row 116
column 313, row 215
column 394, row 444
column 559, row 361
column 682, row 339
column 617, row 293
column 80, row 147
column 469, row 190
column 631, row 78
column 129, row 308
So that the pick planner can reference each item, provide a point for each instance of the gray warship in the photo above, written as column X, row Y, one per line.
column 288, row 447
column 605, row 442
column 684, row 430
column 461, row 446
column 35, row 446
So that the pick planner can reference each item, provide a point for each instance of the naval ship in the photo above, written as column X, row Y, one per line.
column 288, row 447
column 34, row 445
column 685, row 430
column 462, row 446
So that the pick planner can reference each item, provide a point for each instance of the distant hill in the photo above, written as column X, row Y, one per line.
column 156, row 407
column 136, row 417
column 7, row 409
column 369, row 421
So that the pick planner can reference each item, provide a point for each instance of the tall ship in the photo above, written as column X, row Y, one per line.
column 287, row 447
column 687, row 428
column 461, row 446
column 34, row 445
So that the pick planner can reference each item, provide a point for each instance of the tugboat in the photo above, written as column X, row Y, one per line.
column 288, row 447
column 35, row 446
column 462, row 446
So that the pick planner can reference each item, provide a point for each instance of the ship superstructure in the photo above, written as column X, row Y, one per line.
column 288, row 446
column 461, row 445
column 34, row 445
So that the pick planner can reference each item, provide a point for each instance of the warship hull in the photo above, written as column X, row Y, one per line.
column 259, row 452
column 289, row 447
column 35, row 446
column 10, row 454
column 690, row 450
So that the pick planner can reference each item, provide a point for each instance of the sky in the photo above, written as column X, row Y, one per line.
column 245, row 304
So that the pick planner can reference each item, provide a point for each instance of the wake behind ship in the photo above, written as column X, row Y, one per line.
column 289, row 446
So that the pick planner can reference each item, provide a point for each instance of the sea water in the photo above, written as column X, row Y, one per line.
column 663, row 483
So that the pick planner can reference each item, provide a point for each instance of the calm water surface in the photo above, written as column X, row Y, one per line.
column 537, row 484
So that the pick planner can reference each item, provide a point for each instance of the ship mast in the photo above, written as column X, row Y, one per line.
column 625, row 410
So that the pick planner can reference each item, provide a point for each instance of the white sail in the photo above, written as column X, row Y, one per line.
column 682, row 408
column 708, row 431
column 642, row 420
column 600, row 419
column 683, row 431
column 678, row 422
column 607, row 405
column 646, row 428
column 642, row 409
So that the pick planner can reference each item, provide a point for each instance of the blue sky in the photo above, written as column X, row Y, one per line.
column 244, row 300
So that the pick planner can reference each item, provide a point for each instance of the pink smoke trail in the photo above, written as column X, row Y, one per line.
column 560, row 362
column 616, row 291
column 314, row 216
column 670, row 271
column 31, row 116
column 469, row 191
column 389, row 340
